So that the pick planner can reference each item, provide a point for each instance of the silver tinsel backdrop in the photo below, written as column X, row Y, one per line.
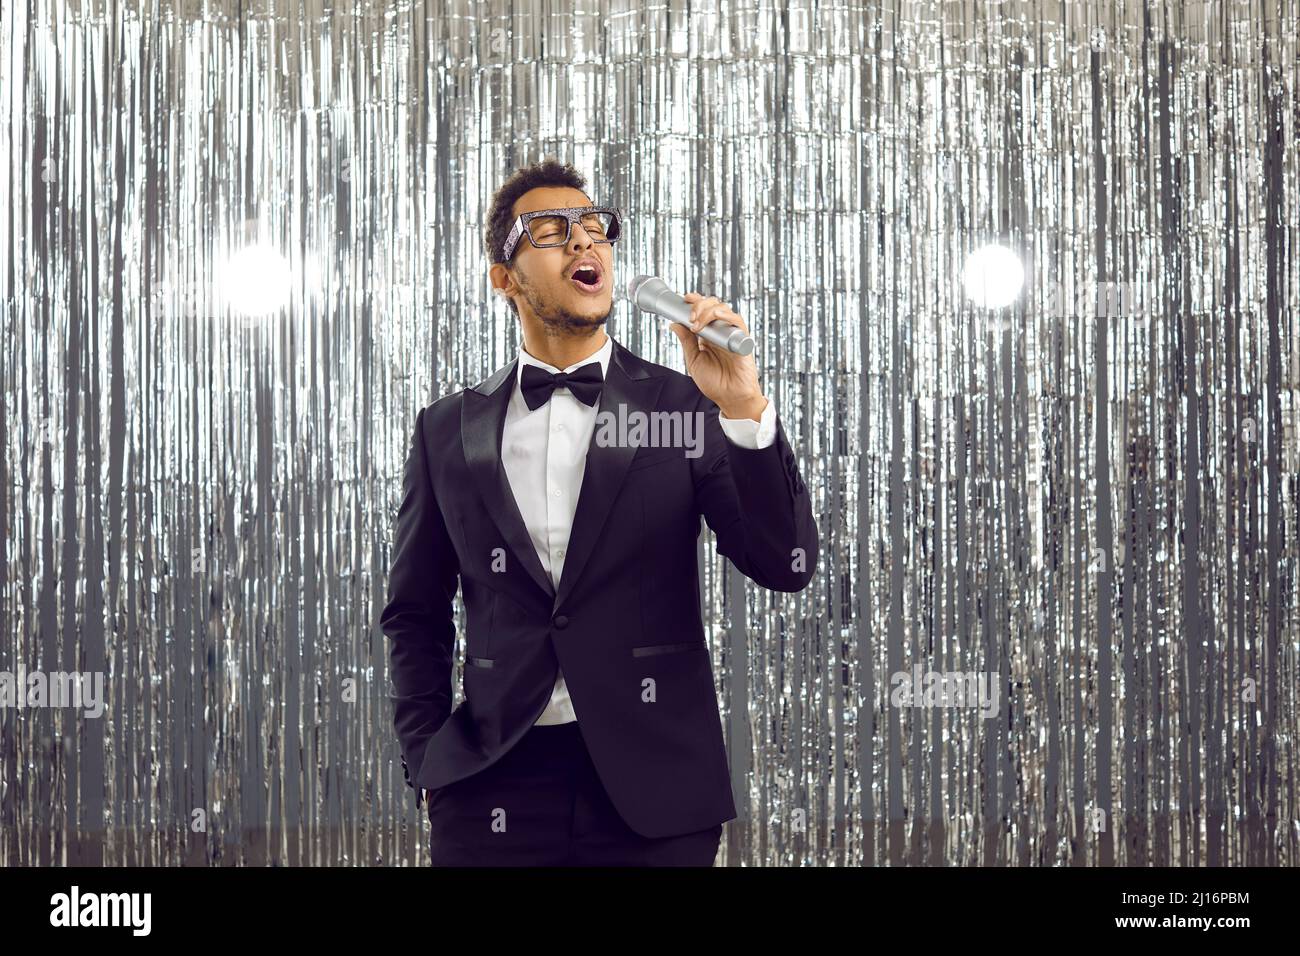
column 1089, row 496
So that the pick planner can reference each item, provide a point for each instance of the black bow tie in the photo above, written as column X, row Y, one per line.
column 584, row 382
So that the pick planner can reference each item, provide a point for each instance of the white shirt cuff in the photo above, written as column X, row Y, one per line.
column 748, row 433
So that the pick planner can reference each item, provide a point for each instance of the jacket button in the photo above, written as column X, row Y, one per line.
column 561, row 621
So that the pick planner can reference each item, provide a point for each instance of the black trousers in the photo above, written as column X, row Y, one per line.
column 542, row 804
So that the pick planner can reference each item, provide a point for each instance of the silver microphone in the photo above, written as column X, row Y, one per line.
column 651, row 294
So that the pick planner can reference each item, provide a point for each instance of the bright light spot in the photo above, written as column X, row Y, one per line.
column 257, row 280
column 993, row 276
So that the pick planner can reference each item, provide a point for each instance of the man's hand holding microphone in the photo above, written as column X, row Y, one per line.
column 715, row 343
column 728, row 378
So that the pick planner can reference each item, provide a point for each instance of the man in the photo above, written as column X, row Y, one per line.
column 590, row 730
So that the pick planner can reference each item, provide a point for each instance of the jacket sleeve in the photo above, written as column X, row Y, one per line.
column 418, row 618
column 757, row 505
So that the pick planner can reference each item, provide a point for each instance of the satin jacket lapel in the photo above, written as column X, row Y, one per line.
column 627, row 383
column 482, row 424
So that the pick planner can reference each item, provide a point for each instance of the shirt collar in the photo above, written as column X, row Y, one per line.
column 602, row 355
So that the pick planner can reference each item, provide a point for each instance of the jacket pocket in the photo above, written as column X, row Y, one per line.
column 649, row 457
column 655, row 649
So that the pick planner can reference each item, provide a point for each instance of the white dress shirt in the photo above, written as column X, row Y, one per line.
column 544, row 451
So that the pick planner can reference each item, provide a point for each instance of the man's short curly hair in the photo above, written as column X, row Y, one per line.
column 500, row 219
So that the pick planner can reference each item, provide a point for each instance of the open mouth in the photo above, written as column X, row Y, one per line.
column 588, row 280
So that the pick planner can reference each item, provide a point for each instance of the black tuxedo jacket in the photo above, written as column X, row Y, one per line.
column 625, row 624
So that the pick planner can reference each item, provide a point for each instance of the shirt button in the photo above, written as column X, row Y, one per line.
column 556, row 492
column 561, row 621
column 560, row 553
column 559, row 428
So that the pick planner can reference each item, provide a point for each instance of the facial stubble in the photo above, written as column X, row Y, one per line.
column 557, row 321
